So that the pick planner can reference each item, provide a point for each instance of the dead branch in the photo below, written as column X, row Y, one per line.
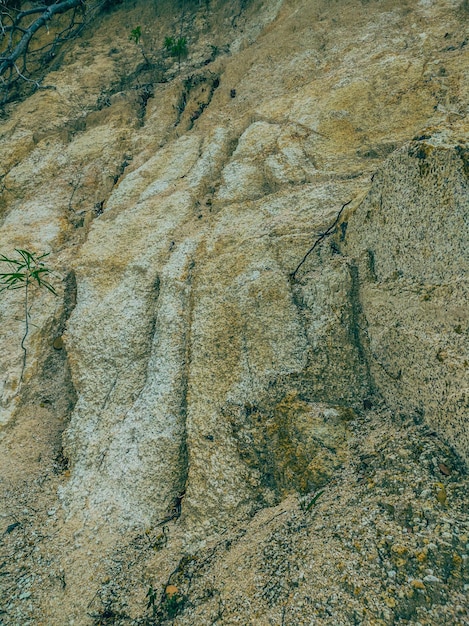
column 30, row 38
column 322, row 236
column 46, row 15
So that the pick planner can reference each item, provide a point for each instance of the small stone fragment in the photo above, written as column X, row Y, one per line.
column 441, row 493
column 431, row 579
column 58, row 343
column 417, row 584
column 444, row 469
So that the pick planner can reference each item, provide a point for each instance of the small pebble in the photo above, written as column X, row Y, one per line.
column 25, row 595
column 431, row 579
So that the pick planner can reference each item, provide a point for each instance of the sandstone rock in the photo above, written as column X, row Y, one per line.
column 409, row 240
column 208, row 379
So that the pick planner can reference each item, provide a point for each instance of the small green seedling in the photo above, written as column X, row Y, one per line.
column 26, row 271
column 172, row 605
column 135, row 34
column 151, row 595
column 313, row 500
column 176, row 47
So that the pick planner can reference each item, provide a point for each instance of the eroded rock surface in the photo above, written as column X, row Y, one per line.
column 409, row 240
column 280, row 435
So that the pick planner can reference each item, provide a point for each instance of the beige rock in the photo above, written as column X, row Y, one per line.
column 409, row 240
column 208, row 377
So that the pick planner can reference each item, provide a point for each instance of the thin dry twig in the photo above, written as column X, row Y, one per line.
column 322, row 236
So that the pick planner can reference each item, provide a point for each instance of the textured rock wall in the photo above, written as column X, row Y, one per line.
column 409, row 240
column 182, row 235
column 199, row 380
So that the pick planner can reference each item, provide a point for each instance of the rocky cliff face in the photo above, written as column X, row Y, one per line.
column 252, row 388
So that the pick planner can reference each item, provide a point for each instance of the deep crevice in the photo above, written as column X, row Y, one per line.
column 356, row 332
column 184, row 473
column 197, row 94
column 52, row 388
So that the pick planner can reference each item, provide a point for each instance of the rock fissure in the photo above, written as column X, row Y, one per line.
column 356, row 330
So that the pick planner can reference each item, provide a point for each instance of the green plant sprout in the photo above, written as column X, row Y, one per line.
column 135, row 34
column 176, row 47
column 151, row 595
column 314, row 499
column 26, row 271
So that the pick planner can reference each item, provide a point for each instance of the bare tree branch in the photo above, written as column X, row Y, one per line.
column 47, row 14
column 322, row 236
column 23, row 62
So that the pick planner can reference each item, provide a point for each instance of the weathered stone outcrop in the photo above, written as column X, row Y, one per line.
column 409, row 242
column 201, row 407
